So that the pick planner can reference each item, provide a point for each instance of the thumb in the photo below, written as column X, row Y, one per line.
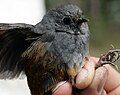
column 85, row 76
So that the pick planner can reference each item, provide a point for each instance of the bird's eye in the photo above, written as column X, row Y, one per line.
column 67, row 20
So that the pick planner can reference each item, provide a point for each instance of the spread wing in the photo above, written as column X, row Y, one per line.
column 19, row 42
column 14, row 40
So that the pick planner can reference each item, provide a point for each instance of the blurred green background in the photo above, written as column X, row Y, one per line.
column 104, row 24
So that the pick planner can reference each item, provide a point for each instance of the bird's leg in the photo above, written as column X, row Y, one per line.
column 110, row 58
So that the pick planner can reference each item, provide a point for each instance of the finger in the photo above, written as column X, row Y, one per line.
column 112, row 84
column 96, row 87
column 99, row 80
column 85, row 76
column 63, row 88
column 113, row 81
column 116, row 91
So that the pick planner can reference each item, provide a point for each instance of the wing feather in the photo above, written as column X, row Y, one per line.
column 12, row 44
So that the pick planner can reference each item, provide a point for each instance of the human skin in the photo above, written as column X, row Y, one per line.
column 102, row 81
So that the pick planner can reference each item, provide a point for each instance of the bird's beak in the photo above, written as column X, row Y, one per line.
column 83, row 19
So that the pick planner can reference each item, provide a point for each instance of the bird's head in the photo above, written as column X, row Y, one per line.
column 69, row 30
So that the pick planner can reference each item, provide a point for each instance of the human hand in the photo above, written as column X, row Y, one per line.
column 102, row 81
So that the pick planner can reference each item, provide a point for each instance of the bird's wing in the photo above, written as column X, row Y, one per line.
column 14, row 40
column 19, row 42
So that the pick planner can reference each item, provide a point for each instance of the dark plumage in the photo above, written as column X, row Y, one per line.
column 49, row 52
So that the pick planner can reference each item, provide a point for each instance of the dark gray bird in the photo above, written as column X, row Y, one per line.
column 49, row 52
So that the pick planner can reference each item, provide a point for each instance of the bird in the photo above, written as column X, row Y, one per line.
column 51, row 51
